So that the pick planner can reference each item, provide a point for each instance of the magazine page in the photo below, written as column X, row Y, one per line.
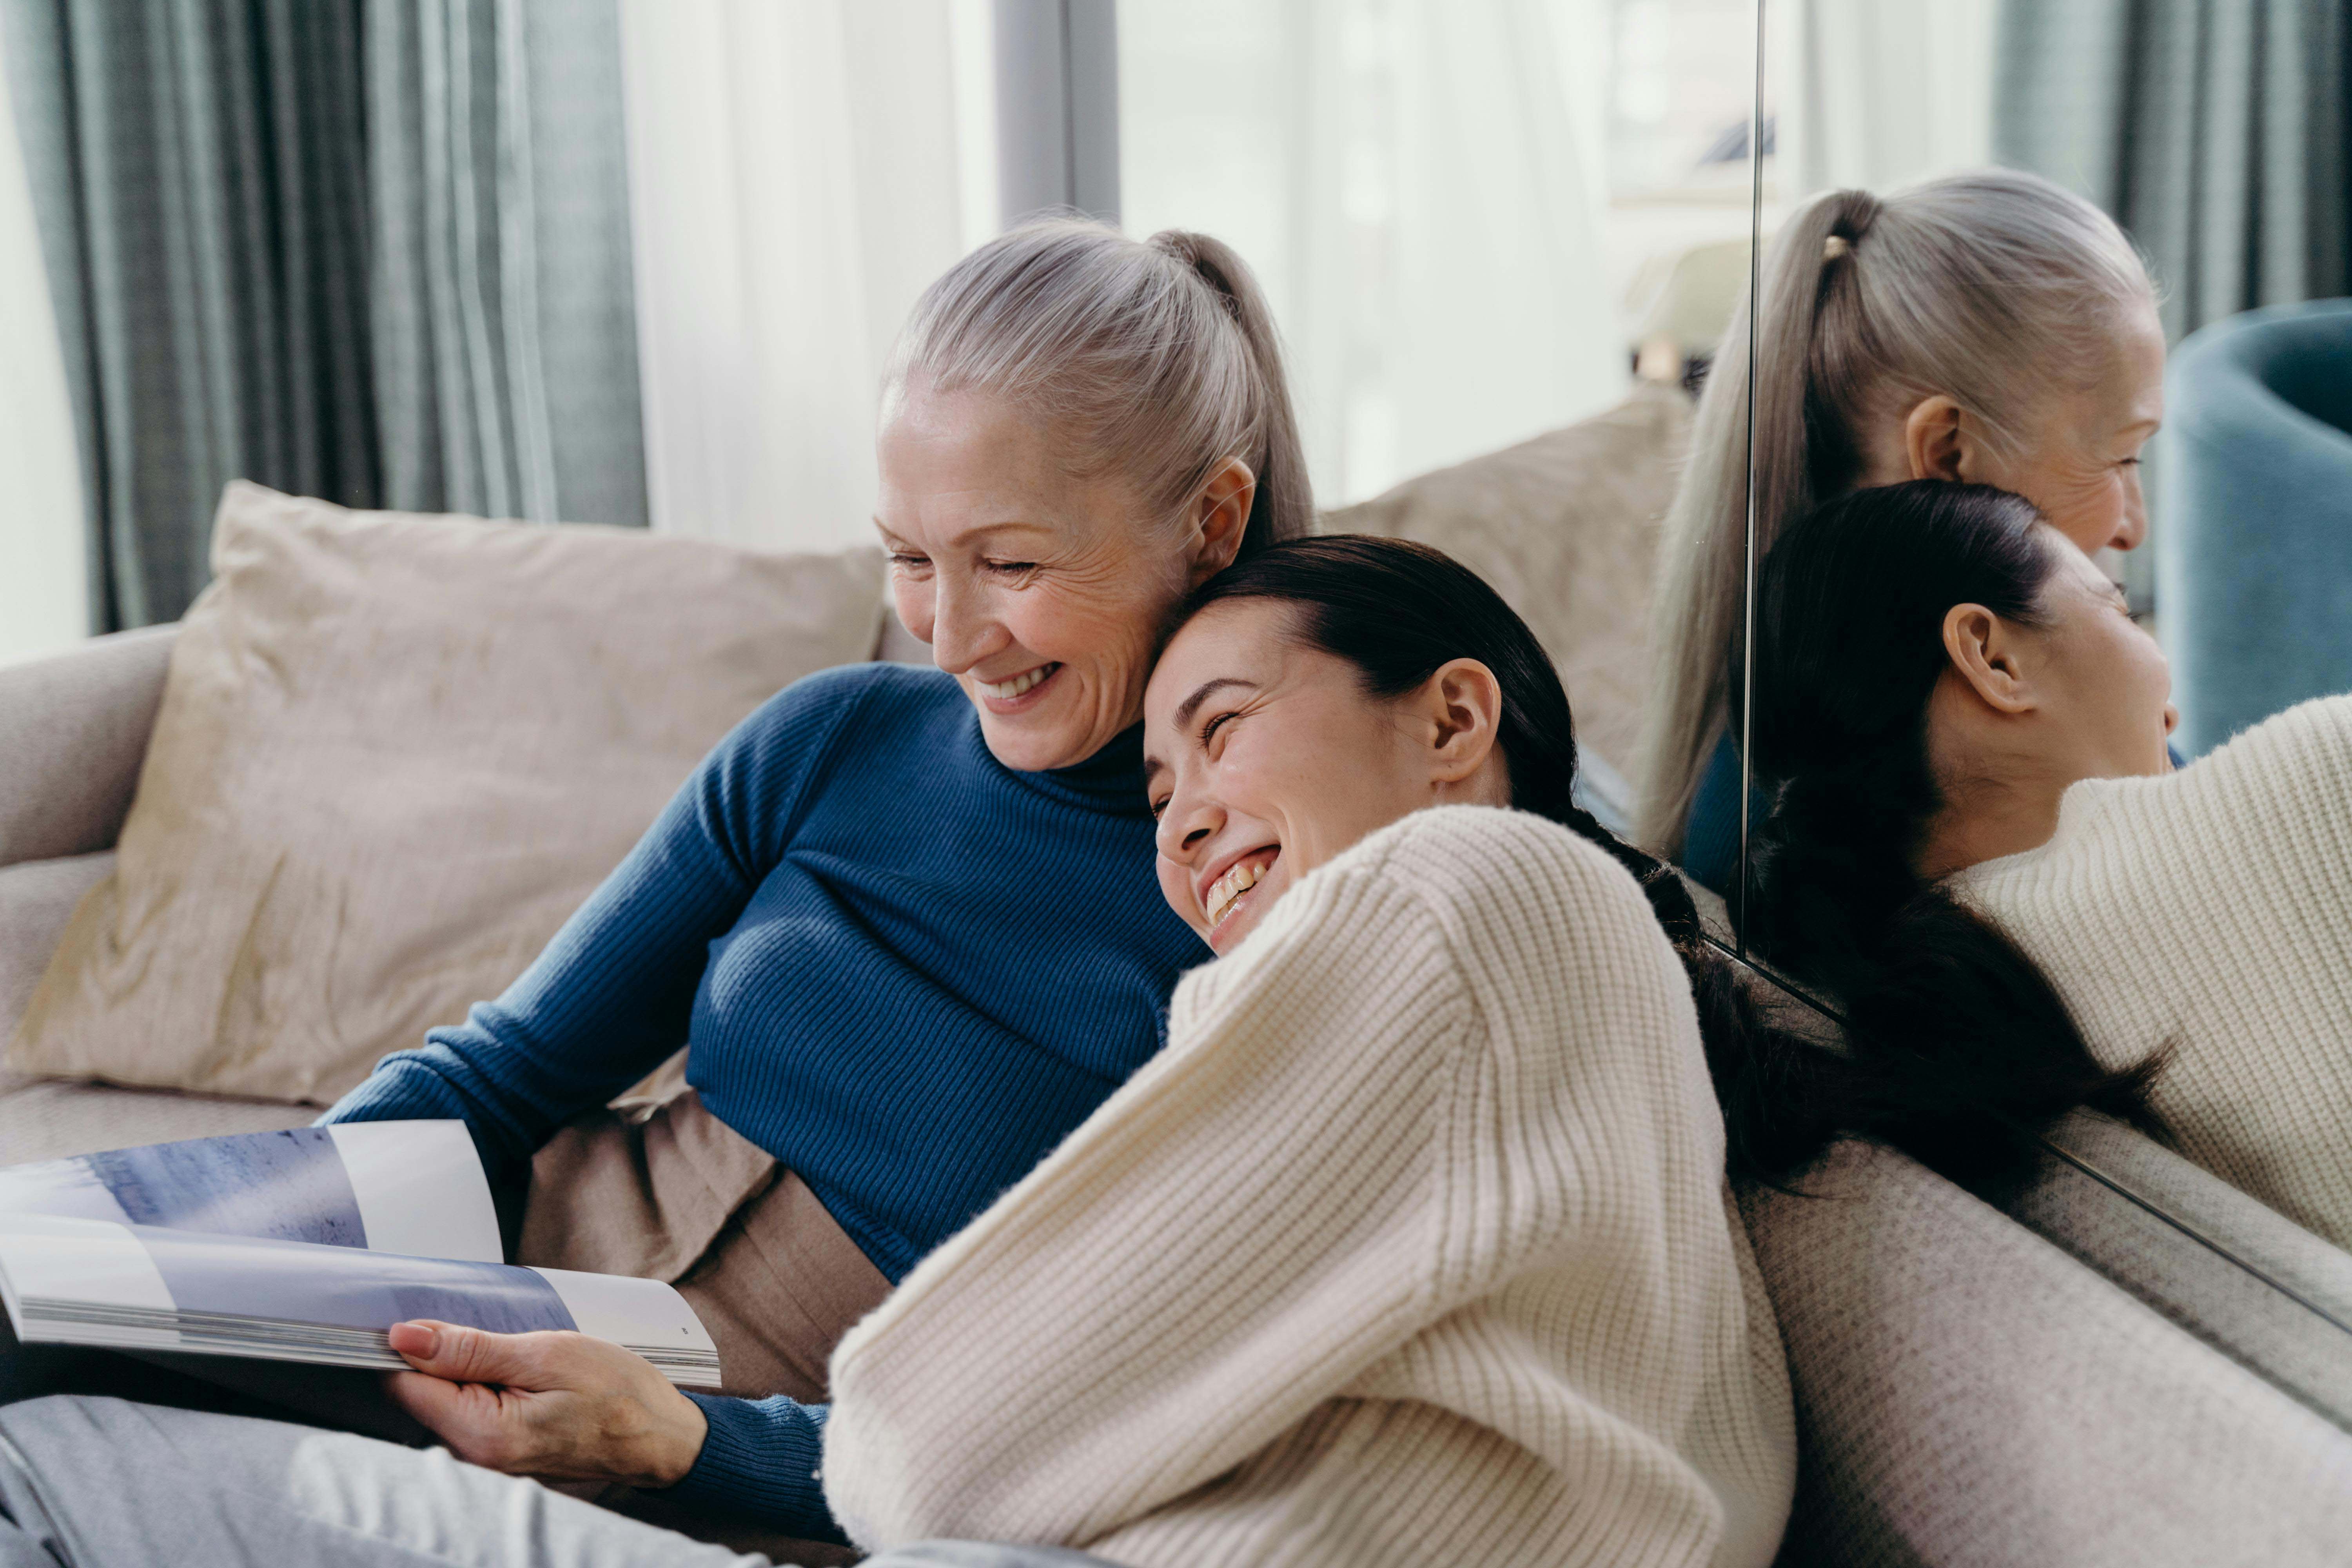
column 76, row 1280
column 413, row 1188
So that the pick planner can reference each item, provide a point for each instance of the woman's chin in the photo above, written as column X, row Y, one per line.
column 1036, row 742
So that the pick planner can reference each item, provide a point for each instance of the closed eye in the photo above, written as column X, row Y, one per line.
column 1209, row 730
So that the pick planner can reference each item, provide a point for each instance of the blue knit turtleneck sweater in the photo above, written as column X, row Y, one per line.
column 898, row 966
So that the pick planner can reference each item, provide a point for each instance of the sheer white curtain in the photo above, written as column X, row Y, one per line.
column 1878, row 93
column 798, row 173
column 44, row 585
column 1416, row 185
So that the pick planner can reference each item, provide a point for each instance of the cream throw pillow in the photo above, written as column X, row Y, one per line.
column 1566, row 528
column 396, row 752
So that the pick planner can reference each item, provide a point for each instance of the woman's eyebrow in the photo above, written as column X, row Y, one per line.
column 1192, row 705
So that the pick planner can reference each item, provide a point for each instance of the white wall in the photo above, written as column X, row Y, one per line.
column 43, row 584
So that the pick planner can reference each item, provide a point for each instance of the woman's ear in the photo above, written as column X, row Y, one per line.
column 1462, row 710
column 1936, row 441
column 1988, row 653
column 1220, row 512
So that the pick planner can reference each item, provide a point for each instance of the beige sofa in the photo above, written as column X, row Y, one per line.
column 2094, row 1385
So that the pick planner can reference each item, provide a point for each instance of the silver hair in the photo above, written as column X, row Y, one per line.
column 1993, row 287
column 1155, row 358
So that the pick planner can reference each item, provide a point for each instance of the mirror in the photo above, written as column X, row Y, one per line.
column 2003, row 331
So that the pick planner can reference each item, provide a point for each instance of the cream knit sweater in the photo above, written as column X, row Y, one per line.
column 1413, row 1246
column 2211, row 910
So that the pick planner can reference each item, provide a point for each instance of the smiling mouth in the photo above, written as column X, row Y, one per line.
column 1227, row 891
column 1005, row 691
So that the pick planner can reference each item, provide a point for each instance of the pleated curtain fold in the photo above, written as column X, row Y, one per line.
column 504, row 328
column 372, row 250
column 2218, row 131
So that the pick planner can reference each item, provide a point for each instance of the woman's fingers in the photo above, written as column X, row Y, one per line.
column 475, row 1355
column 545, row 1404
column 471, row 1418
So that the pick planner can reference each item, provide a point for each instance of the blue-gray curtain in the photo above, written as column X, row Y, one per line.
column 2215, row 130
column 504, row 322
column 373, row 250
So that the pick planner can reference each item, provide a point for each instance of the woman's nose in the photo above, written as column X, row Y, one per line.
column 961, row 636
column 1184, row 826
column 2171, row 718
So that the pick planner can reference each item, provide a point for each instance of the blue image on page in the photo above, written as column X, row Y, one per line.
column 345, row 1287
column 290, row 1185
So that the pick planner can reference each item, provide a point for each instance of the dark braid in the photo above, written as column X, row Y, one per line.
column 1964, row 1052
column 1399, row 611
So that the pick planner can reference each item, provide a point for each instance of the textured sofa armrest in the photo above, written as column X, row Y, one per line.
column 73, row 732
column 36, row 899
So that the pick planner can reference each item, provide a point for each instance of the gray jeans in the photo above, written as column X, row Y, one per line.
column 88, row 1482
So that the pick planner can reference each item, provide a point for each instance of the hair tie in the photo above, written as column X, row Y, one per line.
column 1835, row 246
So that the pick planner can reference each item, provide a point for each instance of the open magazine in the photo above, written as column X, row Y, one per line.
column 304, row 1245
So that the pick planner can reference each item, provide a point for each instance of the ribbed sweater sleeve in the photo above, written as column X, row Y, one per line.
column 1411, row 1247
column 761, row 1461
column 611, row 995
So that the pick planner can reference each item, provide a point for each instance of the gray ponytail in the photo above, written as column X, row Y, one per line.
column 1157, row 360
column 1992, row 288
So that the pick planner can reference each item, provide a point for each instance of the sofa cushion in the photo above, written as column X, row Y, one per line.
column 1566, row 528
column 49, row 1119
column 394, row 752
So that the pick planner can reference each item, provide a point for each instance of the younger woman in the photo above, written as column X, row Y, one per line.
column 1978, row 843
column 1414, row 1244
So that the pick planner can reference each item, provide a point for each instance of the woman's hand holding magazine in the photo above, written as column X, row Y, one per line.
column 563, row 1407
column 311, row 1244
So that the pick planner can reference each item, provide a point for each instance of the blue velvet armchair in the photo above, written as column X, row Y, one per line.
column 2253, row 540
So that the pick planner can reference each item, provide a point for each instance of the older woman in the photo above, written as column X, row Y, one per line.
column 901, row 921
column 1987, row 327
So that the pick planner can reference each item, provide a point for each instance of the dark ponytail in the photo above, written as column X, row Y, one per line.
column 1962, row 1050
column 1398, row 612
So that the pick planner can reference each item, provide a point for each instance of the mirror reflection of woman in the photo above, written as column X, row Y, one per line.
column 1988, row 327
column 1979, row 843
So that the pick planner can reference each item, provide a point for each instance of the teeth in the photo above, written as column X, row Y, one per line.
column 1018, row 683
column 1231, row 886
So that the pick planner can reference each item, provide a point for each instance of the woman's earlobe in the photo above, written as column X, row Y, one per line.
column 1982, row 649
column 1466, row 711
column 1934, row 440
column 1221, row 516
